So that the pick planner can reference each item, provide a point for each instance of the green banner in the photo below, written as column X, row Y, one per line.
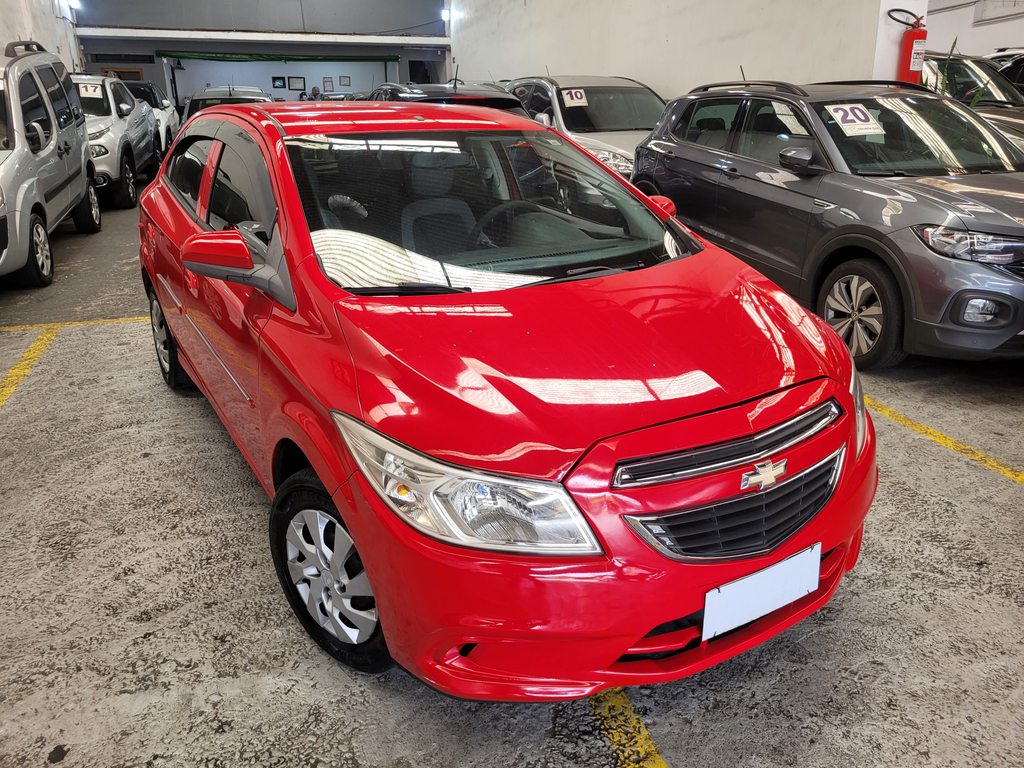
column 267, row 57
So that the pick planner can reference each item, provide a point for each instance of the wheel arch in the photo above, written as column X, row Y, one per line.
column 304, row 441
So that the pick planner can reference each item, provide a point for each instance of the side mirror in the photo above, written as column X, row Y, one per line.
column 165, row 103
column 664, row 203
column 543, row 118
column 225, row 256
column 36, row 137
column 798, row 160
column 123, row 110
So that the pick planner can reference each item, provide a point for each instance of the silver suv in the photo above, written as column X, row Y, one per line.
column 45, row 168
column 122, row 136
column 607, row 116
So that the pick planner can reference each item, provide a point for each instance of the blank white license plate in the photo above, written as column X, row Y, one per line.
column 736, row 603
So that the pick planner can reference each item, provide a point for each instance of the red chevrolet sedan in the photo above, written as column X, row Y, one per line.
column 525, row 434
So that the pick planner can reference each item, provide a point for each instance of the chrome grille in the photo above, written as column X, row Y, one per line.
column 746, row 525
column 715, row 458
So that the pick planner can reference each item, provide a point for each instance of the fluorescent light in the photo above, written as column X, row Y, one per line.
column 446, row 14
column 74, row 4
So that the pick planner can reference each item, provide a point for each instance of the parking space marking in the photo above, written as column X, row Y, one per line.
column 626, row 732
column 21, row 369
column 946, row 441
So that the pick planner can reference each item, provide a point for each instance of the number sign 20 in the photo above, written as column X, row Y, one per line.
column 854, row 119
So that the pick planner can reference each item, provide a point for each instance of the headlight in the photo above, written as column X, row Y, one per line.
column 617, row 162
column 972, row 246
column 97, row 134
column 468, row 508
column 859, row 410
column 97, row 150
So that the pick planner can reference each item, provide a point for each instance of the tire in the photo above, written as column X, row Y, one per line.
column 86, row 214
column 38, row 270
column 156, row 159
column 321, row 587
column 861, row 301
column 126, row 196
column 171, row 369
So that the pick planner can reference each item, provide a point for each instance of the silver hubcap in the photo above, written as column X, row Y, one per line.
column 41, row 243
column 325, row 568
column 854, row 311
column 163, row 352
column 94, row 204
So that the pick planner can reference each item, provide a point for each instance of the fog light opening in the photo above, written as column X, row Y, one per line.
column 981, row 312
column 467, row 649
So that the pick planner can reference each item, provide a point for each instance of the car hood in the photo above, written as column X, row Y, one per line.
column 1007, row 118
column 986, row 201
column 523, row 381
column 617, row 141
column 94, row 124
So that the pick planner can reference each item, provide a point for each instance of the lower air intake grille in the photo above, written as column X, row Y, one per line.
column 746, row 525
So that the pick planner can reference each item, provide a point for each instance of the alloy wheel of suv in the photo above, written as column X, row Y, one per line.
column 126, row 196
column 322, row 575
column 861, row 302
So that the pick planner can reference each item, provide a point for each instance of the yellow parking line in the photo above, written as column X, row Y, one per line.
column 73, row 323
column 624, row 729
column 17, row 374
column 946, row 441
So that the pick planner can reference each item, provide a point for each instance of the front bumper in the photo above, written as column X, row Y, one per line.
column 942, row 284
column 482, row 625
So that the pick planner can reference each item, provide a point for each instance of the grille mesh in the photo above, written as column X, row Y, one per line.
column 745, row 525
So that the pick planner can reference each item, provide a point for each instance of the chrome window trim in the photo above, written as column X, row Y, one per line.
column 830, row 412
column 636, row 522
column 216, row 357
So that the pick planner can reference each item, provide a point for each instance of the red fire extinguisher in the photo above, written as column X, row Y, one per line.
column 912, row 47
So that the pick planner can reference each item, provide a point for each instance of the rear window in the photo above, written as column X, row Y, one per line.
column 505, row 105
column 144, row 92
column 197, row 104
column 4, row 142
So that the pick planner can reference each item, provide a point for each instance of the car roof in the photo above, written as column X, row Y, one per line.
column 447, row 89
column 82, row 77
column 232, row 90
column 818, row 92
column 303, row 118
column 585, row 81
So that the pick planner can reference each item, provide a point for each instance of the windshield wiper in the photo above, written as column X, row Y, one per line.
column 580, row 273
column 878, row 172
column 406, row 289
column 1002, row 102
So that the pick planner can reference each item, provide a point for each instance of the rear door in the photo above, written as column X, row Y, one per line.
column 763, row 210
column 689, row 166
column 69, row 133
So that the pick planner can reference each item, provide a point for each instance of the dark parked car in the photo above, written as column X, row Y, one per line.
column 979, row 84
column 223, row 94
column 894, row 212
column 493, row 96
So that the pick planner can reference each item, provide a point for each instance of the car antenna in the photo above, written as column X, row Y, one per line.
column 743, row 74
column 455, row 85
column 547, row 70
column 491, row 76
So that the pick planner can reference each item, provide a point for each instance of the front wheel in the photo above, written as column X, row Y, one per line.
column 861, row 301
column 323, row 576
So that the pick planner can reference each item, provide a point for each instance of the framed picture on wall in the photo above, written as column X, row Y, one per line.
column 277, row 82
column 328, row 85
column 296, row 83
column 344, row 80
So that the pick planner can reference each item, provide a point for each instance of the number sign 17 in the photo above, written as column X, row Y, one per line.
column 854, row 119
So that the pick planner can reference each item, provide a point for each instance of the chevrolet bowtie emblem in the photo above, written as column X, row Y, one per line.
column 764, row 475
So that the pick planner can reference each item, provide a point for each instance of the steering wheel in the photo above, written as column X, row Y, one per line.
column 495, row 212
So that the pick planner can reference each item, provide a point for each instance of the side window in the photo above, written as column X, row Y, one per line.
column 121, row 95
column 242, row 196
column 55, row 92
column 540, row 102
column 771, row 126
column 70, row 90
column 160, row 98
column 523, row 94
column 185, row 169
column 33, row 110
column 710, row 123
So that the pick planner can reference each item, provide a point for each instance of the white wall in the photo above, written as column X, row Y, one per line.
column 890, row 36
column 973, row 39
column 671, row 46
column 198, row 73
column 48, row 22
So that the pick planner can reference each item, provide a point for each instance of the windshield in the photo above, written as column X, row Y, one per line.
column 481, row 210
column 586, row 110
column 916, row 137
column 94, row 99
column 4, row 143
column 144, row 92
column 969, row 81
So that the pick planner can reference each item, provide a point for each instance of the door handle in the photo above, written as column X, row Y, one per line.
column 732, row 173
column 63, row 147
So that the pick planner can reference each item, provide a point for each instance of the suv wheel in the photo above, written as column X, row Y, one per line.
column 126, row 196
column 86, row 214
column 155, row 160
column 38, row 270
column 862, row 303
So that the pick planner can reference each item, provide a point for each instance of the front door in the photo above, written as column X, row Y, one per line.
column 48, row 160
column 69, row 135
column 763, row 210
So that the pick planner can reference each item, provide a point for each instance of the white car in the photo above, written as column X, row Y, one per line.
column 167, row 120
column 122, row 136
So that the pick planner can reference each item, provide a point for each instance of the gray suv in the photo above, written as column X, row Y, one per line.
column 895, row 213
column 46, row 172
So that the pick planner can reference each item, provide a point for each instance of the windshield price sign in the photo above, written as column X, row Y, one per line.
column 90, row 91
column 574, row 97
column 855, row 120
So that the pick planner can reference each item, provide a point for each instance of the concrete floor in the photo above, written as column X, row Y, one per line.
column 143, row 625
